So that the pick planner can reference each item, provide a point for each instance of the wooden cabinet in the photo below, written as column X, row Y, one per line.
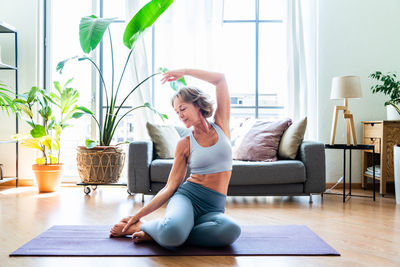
column 383, row 135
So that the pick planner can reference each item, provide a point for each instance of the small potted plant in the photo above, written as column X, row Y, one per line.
column 100, row 162
column 390, row 86
column 46, row 130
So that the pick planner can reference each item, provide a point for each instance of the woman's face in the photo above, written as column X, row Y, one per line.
column 188, row 113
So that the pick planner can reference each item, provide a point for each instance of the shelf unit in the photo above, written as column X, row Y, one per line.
column 383, row 135
column 7, row 29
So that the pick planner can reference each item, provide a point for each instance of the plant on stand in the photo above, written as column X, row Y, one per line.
column 390, row 86
column 46, row 130
column 100, row 162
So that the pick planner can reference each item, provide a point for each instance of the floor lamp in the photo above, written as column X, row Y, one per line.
column 345, row 87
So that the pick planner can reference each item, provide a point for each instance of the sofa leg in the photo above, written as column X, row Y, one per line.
column 311, row 198
column 142, row 198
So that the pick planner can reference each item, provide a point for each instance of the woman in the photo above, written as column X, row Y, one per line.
column 195, row 212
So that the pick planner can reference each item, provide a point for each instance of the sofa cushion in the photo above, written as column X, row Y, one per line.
column 277, row 172
column 244, row 172
column 261, row 142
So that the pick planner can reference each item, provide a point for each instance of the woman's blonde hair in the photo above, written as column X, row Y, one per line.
column 194, row 95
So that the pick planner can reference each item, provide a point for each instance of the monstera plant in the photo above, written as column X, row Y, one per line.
column 100, row 162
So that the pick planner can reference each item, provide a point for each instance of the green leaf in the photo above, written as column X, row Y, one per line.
column 143, row 19
column 68, row 82
column 176, row 85
column 162, row 116
column 32, row 94
column 38, row 131
column 77, row 115
column 61, row 64
column 90, row 143
column 85, row 110
column 51, row 124
column 57, row 86
column 30, row 123
column 25, row 109
column 65, row 125
column 162, row 70
column 91, row 31
column 45, row 112
column 19, row 100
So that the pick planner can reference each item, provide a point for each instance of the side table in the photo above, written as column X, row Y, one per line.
column 350, row 148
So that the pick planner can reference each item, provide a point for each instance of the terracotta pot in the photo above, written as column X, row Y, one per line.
column 48, row 176
column 100, row 164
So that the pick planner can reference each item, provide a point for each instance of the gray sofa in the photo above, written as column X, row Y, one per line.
column 303, row 176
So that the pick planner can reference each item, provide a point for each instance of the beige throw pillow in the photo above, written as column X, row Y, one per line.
column 291, row 139
column 165, row 139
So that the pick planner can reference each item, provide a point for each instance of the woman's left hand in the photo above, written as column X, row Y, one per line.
column 172, row 75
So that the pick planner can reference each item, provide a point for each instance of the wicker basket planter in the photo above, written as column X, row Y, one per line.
column 100, row 165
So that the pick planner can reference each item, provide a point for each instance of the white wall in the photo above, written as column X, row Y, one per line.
column 356, row 37
column 22, row 15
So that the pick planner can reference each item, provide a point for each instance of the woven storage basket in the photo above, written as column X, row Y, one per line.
column 100, row 165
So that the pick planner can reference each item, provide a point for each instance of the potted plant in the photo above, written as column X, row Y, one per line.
column 101, row 162
column 390, row 86
column 46, row 130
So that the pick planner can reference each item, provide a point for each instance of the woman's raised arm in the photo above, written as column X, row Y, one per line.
column 223, row 110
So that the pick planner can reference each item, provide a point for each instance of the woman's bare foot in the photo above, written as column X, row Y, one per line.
column 117, row 229
column 139, row 237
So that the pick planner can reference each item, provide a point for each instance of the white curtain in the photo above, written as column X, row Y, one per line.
column 188, row 35
column 302, row 95
column 137, row 71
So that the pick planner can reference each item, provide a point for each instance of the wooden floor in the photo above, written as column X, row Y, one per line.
column 364, row 232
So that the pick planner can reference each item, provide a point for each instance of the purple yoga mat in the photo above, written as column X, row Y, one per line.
column 92, row 240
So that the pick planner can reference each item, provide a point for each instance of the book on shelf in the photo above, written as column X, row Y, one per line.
column 377, row 168
column 377, row 174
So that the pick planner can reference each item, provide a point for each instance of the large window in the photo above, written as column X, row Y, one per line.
column 63, row 42
column 254, row 57
column 243, row 39
column 251, row 53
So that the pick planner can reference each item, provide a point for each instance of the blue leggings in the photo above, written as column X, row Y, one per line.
column 195, row 215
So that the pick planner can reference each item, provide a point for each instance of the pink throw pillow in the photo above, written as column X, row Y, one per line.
column 261, row 142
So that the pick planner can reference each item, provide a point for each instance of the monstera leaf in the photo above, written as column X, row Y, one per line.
column 143, row 19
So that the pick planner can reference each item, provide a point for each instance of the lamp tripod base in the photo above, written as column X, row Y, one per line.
column 350, row 129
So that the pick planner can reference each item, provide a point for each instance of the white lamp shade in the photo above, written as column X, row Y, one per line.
column 346, row 87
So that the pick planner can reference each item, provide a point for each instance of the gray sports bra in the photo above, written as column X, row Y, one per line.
column 213, row 159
